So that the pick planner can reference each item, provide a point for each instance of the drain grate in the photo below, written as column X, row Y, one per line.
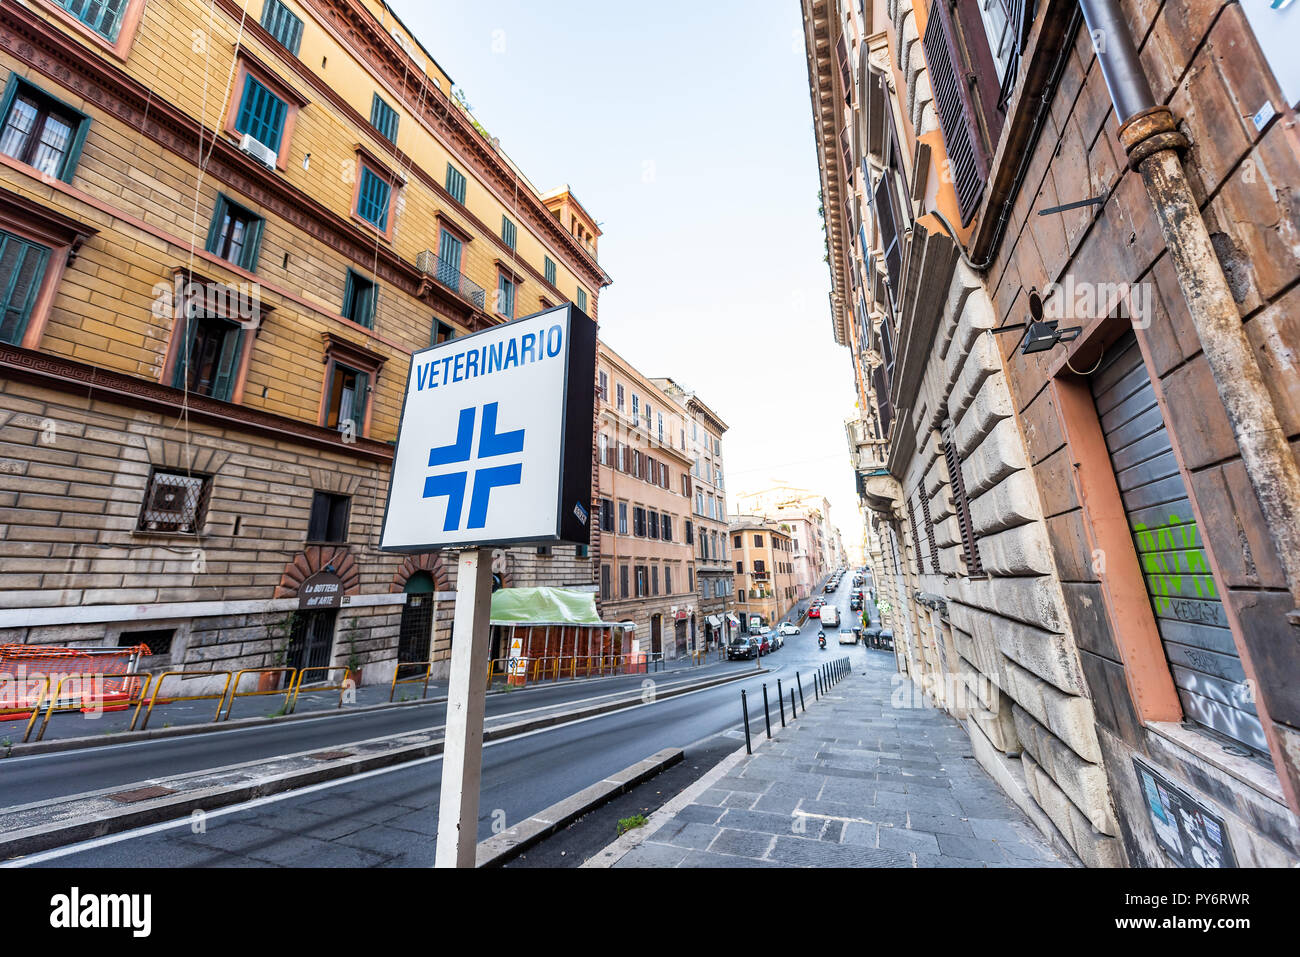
column 329, row 755
column 141, row 794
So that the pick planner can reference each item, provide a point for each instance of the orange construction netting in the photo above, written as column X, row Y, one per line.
column 103, row 673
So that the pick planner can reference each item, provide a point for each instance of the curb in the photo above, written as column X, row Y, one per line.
column 110, row 820
column 506, row 846
column 207, row 727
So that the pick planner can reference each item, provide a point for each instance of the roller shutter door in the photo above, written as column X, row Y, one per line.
column 1184, row 595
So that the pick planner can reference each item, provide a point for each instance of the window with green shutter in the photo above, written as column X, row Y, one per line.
column 372, row 199
column 505, row 296
column 359, row 299
column 39, row 130
column 384, row 119
column 235, row 233
column 281, row 23
column 209, row 356
column 550, row 271
column 456, row 184
column 22, row 269
column 102, row 16
column 582, row 299
column 261, row 114
column 347, row 392
column 508, row 231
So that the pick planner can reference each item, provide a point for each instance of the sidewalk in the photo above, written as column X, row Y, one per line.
column 853, row 782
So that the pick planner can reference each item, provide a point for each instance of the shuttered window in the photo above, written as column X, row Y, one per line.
column 916, row 539
column 509, row 232
column 968, row 162
column 384, row 118
column 372, row 200
column 456, row 184
column 929, row 529
column 209, row 357
column 359, row 299
column 102, row 16
column 22, row 269
column 582, row 299
column 1185, row 598
column 550, row 270
column 261, row 114
column 283, row 25
column 969, row 546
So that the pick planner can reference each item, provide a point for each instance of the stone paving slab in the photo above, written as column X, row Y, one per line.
column 853, row 782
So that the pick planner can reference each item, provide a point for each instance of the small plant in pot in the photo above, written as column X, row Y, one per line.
column 354, row 657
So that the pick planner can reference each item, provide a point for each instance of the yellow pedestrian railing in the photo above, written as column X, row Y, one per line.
column 78, row 703
column 428, row 670
column 172, row 699
column 341, row 687
column 236, row 693
column 16, row 711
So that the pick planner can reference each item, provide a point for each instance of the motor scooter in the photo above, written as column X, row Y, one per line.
column 821, row 640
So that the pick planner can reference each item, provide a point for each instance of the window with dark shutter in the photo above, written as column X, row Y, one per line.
column 929, row 531
column 967, row 160
column 916, row 539
column 969, row 546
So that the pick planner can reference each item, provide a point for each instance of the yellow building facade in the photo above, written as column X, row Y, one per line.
column 225, row 229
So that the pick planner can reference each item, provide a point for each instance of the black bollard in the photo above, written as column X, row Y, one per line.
column 744, row 710
column 799, row 681
column 767, row 712
column 792, row 711
column 780, row 701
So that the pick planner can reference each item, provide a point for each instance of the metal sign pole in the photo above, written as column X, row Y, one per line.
column 462, row 753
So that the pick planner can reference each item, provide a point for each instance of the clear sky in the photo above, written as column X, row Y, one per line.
column 685, row 129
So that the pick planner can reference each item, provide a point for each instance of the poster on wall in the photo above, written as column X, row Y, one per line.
column 1189, row 835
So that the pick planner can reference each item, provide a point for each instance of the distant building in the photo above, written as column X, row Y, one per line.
column 714, row 580
column 647, row 558
column 762, row 551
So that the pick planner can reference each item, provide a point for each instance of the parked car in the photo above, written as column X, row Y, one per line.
column 831, row 586
column 742, row 646
column 764, row 645
column 855, row 605
column 787, row 628
column 775, row 639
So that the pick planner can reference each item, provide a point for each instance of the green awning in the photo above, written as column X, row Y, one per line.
column 544, row 606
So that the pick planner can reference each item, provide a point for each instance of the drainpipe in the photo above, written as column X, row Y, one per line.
column 1153, row 142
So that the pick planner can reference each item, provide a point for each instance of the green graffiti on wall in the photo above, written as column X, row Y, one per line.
column 1170, row 553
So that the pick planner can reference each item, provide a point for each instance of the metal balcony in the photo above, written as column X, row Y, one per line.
column 448, row 275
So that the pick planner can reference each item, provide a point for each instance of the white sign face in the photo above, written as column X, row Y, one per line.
column 1276, row 24
column 482, row 432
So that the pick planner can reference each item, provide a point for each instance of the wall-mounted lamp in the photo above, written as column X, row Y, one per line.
column 1040, row 334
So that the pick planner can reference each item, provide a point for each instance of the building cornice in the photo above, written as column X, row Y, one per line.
column 376, row 49
column 67, row 375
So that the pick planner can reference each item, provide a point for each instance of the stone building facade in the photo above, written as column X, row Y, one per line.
column 1069, row 527
column 201, row 371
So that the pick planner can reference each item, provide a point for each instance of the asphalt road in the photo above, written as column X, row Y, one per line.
column 389, row 817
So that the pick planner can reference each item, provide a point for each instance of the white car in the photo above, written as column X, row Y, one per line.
column 847, row 637
column 787, row 628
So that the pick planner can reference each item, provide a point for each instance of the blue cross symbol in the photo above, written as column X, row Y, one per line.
column 452, row 484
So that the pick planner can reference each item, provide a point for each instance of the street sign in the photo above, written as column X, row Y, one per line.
column 494, row 445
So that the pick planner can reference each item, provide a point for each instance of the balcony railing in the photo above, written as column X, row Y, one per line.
column 448, row 275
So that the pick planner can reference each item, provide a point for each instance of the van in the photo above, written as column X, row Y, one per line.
column 830, row 616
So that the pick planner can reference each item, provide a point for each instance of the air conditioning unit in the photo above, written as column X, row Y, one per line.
column 427, row 262
column 259, row 151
